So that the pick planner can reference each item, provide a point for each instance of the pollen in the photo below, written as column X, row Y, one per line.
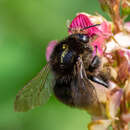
column 64, row 46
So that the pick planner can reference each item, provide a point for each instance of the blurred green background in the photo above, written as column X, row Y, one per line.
column 26, row 27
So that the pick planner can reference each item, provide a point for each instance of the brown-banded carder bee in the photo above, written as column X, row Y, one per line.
column 73, row 67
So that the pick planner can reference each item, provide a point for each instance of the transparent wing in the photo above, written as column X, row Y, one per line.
column 36, row 92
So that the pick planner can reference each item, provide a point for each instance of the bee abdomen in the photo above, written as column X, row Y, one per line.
column 62, row 91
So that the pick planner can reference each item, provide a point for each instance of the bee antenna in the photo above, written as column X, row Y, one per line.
column 89, row 27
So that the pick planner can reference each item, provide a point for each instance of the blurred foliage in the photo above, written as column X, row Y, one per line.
column 26, row 27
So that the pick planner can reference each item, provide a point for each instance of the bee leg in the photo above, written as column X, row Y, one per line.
column 94, row 64
column 98, row 80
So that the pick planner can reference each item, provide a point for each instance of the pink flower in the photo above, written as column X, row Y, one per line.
column 49, row 49
column 105, row 29
column 97, row 44
column 103, row 35
column 81, row 21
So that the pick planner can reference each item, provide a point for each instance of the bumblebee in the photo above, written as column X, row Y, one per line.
column 73, row 67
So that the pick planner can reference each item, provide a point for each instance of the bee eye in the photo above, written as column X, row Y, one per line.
column 83, row 38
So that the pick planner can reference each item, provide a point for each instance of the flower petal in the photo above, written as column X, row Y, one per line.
column 99, row 125
column 126, row 117
column 123, row 72
column 49, row 49
column 106, row 29
column 122, row 40
column 81, row 21
column 113, row 102
column 98, row 45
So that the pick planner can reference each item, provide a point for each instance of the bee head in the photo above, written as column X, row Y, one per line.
column 82, row 37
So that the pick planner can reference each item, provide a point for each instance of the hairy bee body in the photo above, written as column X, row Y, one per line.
column 74, row 69
column 63, row 64
column 68, row 87
column 64, row 69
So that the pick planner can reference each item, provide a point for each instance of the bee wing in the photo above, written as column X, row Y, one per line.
column 84, row 93
column 35, row 93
